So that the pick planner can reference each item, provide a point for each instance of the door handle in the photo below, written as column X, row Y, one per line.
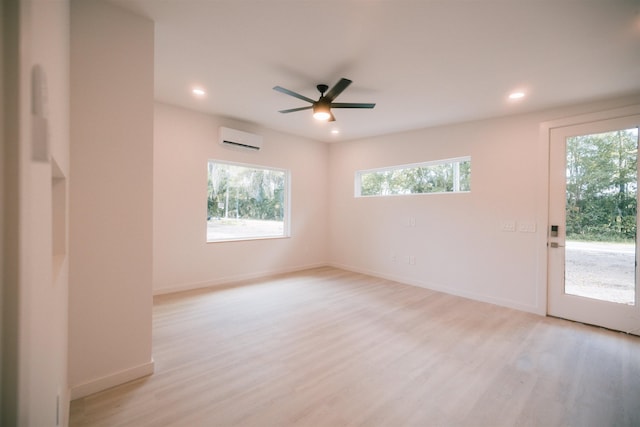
column 555, row 245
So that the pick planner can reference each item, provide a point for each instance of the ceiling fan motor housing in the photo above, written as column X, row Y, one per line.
column 322, row 107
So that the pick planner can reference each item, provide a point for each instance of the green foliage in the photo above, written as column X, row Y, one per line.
column 602, row 186
column 435, row 178
column 243, row 192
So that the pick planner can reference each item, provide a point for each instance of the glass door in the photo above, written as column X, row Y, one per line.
column 593, row 221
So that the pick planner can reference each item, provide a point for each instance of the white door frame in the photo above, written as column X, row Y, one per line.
column 544, row 193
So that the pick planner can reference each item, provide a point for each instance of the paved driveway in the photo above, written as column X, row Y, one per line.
column 600, row 270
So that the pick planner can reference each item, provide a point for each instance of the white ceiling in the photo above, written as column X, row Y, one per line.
column 424, row 63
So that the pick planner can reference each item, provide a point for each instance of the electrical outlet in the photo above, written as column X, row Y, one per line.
column 394, row 257
column 412, row 260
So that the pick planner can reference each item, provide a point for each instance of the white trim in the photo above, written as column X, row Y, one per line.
column 108, row 381
column 442, row 288
column 418, row 164
column 455, row 162
column 237, row 280
column 232, row 280
column 543, row 190
column 286, row 221
column 248, row 165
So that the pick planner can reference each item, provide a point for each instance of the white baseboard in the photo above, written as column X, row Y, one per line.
column 230, row 280
column 112, row 380
column 404, row 280
column 445, row 289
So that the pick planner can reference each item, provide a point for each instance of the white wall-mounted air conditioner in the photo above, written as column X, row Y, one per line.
column 239, row 139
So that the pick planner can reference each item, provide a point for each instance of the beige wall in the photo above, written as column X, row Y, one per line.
column 37, row 282
column 111, row 203
column 183, row 143
column 457, row 240
column 135, row 206
column 48, row 270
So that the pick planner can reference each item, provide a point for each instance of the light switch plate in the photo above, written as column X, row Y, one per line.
column 508, row 225
column 527, row 227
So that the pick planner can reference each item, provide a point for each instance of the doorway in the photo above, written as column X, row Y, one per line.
column 592, row 235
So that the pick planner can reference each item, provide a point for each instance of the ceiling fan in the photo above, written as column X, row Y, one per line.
column 322, row 107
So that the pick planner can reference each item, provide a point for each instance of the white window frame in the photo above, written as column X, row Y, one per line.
column 456, row 176
column 286, row 232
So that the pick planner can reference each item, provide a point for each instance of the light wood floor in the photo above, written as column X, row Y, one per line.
column 327, row 347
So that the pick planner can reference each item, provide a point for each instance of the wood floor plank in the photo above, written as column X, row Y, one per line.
column 327, row 347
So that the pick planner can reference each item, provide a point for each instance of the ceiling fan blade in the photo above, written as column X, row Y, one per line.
column 291, row 110
column 291, row 93
column 337, row 89
column 351, row 105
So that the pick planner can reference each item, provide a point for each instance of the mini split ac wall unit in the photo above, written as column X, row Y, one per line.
column 233, row 138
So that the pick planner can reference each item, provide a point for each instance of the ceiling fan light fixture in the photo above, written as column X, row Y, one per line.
column 322, row 107
column 321, row 112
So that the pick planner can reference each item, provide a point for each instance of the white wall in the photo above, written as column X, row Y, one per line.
column 457, row 240
column 111, row 203
column 183, row 143
column 48, row 294
column 35, row 390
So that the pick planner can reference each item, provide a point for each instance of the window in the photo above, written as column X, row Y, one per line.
column 246, row 202
column 441, row 176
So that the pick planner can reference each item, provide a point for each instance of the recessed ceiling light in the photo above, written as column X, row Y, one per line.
column 335, row 131
column 198, row 92
column 516, row 95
